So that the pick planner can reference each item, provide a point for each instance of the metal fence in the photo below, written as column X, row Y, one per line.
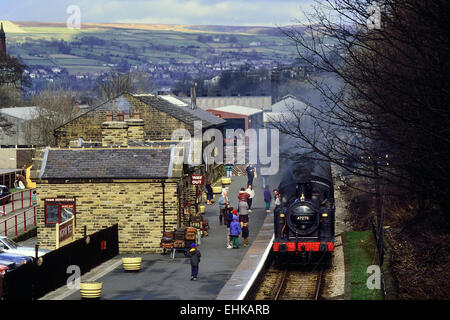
column 19, row 223
column 36, row 279
column 16, row 201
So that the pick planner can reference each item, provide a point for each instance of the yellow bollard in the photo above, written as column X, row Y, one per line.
column 217, row 189
column 132, row 263
column 201, row 209
column 226, row 180
column 91, row 290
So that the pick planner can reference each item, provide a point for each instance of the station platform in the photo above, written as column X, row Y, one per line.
column 224, row 274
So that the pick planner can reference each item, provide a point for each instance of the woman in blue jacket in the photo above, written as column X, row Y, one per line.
column 235, row 231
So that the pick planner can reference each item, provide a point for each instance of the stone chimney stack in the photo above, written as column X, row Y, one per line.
column 136, row 127
column 114, row 133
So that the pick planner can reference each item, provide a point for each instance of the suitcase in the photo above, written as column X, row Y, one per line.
column 191, row 235
column 168, row 234
column 179, row 234
column 179, row 244
column 167, row 245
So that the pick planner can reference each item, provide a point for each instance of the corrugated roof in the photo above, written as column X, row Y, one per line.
column 288, row 103
column 128, row 163
column 246, row 111
column 174, row 100
column 257, row 102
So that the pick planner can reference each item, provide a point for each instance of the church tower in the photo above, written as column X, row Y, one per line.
column 2, row 41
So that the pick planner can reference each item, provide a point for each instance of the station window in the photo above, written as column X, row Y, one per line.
column 59, row 210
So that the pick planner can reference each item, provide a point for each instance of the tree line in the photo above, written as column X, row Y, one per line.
column 389, row 121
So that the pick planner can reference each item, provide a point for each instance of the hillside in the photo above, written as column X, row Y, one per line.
column 11, row 27
column 95, row 48
column 244, row 30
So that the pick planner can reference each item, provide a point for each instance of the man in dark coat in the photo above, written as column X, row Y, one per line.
column 209, row 193
column 194, row 256
column 250, row 173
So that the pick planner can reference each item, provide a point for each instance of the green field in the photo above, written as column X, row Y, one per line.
column 55, row 45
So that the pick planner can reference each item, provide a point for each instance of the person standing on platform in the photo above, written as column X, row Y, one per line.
column 223, row 203
column 209, row 193
column 251, row 194
column 235, row 231
column 245, row 234
column 243, row 212
column 250, row 173
column 267, row 198
column 243, row 195
column 194, row 255
column 229, row 167
column 277, row 201
column 229, row 219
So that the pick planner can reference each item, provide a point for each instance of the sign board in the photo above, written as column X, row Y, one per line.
column 58, row 210
column 64, row 233
column 197, row 180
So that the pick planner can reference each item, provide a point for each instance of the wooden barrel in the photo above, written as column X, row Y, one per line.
column 132, row 263
column 91, row 290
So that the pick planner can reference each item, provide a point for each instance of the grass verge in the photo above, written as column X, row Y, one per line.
column 359, row 253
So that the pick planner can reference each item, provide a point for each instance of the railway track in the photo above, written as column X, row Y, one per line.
column 290, row 285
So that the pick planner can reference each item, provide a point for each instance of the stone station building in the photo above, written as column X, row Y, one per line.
column 117, row 162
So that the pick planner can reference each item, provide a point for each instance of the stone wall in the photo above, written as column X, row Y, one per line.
column 136, row 207
column 114, row 133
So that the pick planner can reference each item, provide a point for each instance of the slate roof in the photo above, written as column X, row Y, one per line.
column 127, row 163
column 176, row 109
column 180, row 112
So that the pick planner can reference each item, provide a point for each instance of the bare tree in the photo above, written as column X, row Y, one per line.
column 56, row 106
column 116, row 83
column 389, row 119
column 11, row 81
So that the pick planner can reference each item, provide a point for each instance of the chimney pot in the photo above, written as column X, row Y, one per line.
column 120, row 116
column 109, row 116
column 126, row 116
column 137, row 115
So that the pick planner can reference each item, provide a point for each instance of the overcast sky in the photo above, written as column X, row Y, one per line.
column 206, row 12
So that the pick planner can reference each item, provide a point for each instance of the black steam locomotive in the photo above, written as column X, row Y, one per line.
column 304, row 221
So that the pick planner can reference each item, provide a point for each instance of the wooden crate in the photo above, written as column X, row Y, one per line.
column 167, row 245
column 190, row 236
column 179, row 244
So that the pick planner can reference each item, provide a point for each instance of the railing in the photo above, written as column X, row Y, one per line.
column 12, row 198
column 16, row 222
